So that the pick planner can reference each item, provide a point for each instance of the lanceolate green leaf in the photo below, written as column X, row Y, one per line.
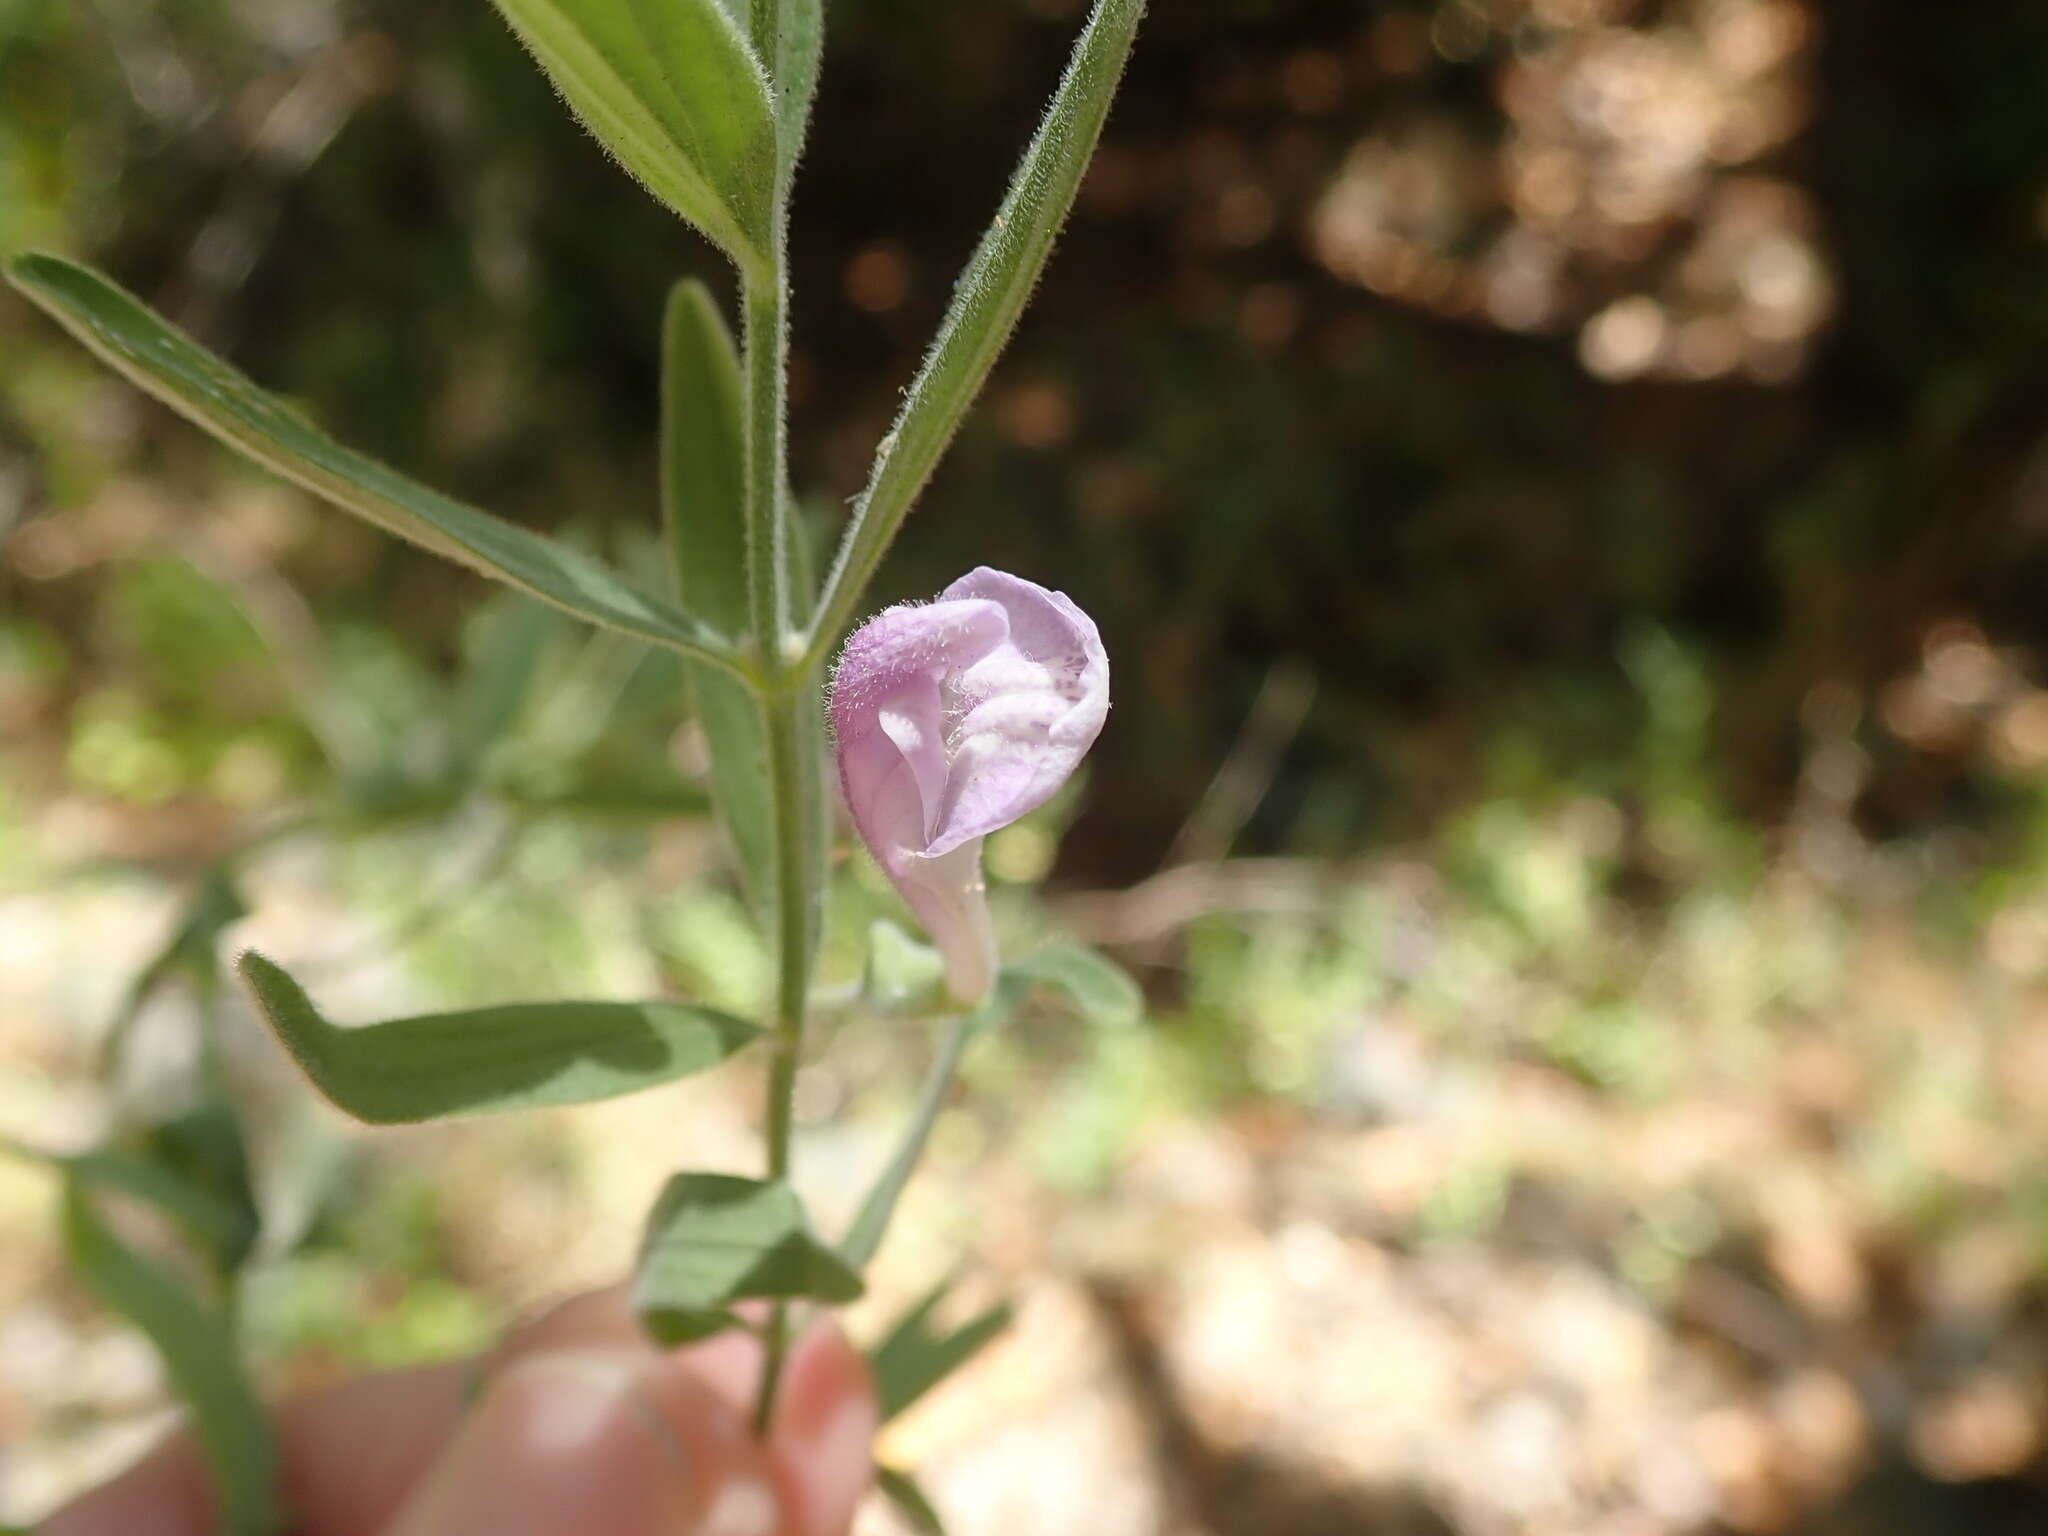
column 518, row 1056
column 505, row 646
column 205, row 1147
column 800, row 45
column 900, row 1489
column 671, row 88
column 170, row 365
column 199, row 1356
column 703, row 506
column 703, row 459
column 204, row 1217
column 990, row 295
column 714, row 1239
column 1101, row 991
column 864, row 1238
column 215, row 906
column 221, row 1224
column 915, row 1356
column 703, row 481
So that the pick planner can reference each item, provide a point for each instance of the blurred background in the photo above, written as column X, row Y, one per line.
column 1565, row 487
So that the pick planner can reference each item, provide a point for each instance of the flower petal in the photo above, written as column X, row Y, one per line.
column 949, row 897
column 1028, row 709
column 952, row 719
column 887, row 714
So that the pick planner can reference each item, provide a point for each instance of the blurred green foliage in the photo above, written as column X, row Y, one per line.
column 1223, row 448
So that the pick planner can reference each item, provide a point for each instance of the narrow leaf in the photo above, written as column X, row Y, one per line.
column 703, row 478
column 864, row 1238
column 205, row 1147
column 218, row 1226
column 898, row 1488
column 1101, row 991
column 703, row 459
column 703, row 505
column 210, row 1222
column 199, row 1356
column 800, row 45
column 714, row 1239
column 670, row 88
column 987, row 300
column 170, row 365
column 517, row 1056
column 506, row 644
column 215, row 906
column 915, row 1357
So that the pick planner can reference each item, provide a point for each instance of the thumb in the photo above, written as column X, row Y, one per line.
column 627, row 1443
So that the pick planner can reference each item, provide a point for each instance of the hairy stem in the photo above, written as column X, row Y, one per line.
column 786, row 720
column 766, row 349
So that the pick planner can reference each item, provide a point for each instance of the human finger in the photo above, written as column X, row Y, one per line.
column 626, row 1442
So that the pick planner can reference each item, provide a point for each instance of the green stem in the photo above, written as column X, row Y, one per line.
column 785, row 719
column 767, row 339
column 781, row 695
column 782, row 683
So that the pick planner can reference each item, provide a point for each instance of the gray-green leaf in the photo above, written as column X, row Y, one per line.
column 204, row 1148
column 215, row 906
column 199, row 1357
column 987, row 300
column 915, row 1357
column 505, row 644
column 517, row 1056
column 800, row 45
column 170, row 365
column 1101, row 991
column 219, row 1221
column 1098, row 988
column 901, row 1490
column 670, row 88
column 703, row 506
column 703, row 483
column 871, row 1224
column 714, row 1239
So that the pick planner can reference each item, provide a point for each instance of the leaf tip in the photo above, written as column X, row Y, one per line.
column 28, row 269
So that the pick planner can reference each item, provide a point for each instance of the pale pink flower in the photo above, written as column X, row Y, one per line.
column 952, row 719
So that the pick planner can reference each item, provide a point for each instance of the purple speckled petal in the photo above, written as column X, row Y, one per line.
column 954, row 718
